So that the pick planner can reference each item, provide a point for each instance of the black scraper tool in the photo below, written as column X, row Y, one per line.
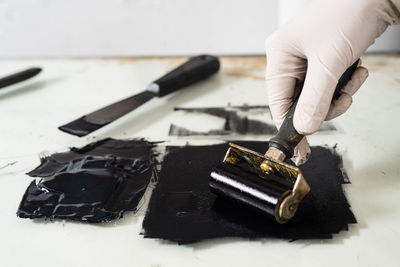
column 266, row 183
column 195, row 69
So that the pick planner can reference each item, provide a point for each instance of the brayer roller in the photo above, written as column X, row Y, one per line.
column 266, row 183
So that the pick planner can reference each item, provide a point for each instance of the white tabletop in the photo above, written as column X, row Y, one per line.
column 367, row 137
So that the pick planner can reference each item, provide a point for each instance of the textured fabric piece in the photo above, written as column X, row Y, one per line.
column 183, row 210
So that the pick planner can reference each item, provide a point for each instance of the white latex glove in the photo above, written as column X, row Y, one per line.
column 316, row 47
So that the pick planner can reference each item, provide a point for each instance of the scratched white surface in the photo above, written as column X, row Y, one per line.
column 367, row 137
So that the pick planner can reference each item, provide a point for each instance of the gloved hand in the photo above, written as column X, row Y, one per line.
column 316, row 47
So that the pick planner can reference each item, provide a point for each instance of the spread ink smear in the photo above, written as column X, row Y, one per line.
column 182, row 208
column 96, row 183
column 237, row 120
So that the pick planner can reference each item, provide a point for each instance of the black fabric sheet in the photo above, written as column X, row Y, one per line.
column 96, row 183
column 182, row 208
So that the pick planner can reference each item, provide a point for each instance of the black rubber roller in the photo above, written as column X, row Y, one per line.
column 261, row 195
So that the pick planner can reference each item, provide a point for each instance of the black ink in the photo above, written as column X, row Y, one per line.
column 182, row 209
column 96, row 183
column 238, row 121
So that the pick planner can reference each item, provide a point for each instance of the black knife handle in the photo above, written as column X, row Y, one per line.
column 287, row 137
column 195, row 69
column 19, row 77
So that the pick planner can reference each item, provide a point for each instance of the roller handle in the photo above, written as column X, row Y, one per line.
column 287, row 137
column 194, row 70
column 19, row 77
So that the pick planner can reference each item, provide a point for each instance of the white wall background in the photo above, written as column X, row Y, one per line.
column 33, row 28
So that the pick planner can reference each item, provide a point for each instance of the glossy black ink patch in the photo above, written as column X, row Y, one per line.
column 182, row 208
column 239, row 120
column 96, row 183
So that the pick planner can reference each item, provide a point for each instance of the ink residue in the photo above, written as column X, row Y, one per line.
column 96, row 183
column 239, row 120
column 183, row 210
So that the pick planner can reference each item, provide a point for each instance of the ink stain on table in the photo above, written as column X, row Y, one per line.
column 182, row 209
column 96, row 183
column 238, row 120
column 8, row 165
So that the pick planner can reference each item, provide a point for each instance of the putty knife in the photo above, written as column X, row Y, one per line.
column 195, row 69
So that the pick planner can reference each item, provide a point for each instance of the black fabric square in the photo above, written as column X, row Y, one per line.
column 182, row 208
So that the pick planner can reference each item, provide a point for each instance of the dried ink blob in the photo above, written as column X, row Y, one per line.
column 96, row 183
column 182, row 208
column 238, row 120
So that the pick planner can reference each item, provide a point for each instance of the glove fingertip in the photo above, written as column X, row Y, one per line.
column 306, row 124
column 302, row 152
column 339, row 106
column 357, row 79
column 362, row 72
